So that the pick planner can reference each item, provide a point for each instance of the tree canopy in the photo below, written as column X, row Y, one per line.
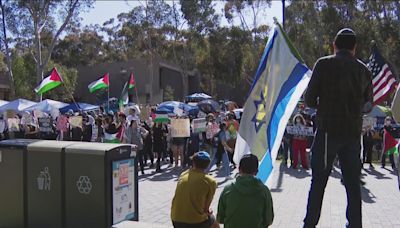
column 223, row 46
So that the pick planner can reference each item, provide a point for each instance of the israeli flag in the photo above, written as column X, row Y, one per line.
column 280, row 81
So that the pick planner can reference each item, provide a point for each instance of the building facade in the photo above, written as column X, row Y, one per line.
column 153, row 79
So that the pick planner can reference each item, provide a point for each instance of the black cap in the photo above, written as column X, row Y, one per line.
column 346, row 32
column 345, row 39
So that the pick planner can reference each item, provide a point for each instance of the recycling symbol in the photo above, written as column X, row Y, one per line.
column 84, row 185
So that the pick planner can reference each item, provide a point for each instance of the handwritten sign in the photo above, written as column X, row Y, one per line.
column 62, row 123
column 9, row 114
column 13, row 124
column 369, row 121
column 38, row 114
column 144, row 113
column 27, row 119
column 45, row 124
column 300, row 130
column 180, row 128
column 75, row 121
column 199, row 125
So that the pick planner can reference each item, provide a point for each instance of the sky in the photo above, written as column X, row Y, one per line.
column 103, row 10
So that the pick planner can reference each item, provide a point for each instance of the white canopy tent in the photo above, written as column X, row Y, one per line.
column 17, row 105
column 3, row 102
column 47, row 106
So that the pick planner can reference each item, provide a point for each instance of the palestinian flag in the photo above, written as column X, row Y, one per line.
column 161, row 118
column 49, row 83
column 111, row 138
column 390, row 143
column 102, row 83
column 132, row 83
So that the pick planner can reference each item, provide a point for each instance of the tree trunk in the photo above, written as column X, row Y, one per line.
column 38, row 58
column 8, row 55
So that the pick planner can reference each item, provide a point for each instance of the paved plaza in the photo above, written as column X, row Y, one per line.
column 381, row 198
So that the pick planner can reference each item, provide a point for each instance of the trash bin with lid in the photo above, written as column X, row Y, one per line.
column 45, row 179
column 101, row 184
column 13, row 182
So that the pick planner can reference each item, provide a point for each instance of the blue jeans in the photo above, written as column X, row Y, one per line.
column 348, row 151
column 225, row 163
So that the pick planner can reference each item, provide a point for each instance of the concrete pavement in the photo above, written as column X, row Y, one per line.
column 381, row 198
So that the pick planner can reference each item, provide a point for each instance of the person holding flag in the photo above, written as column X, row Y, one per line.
column 280, row 81
column 341, row 90
column 390, row 144
column 129, row 85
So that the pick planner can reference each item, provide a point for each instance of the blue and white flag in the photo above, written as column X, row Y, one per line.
column 280, row 81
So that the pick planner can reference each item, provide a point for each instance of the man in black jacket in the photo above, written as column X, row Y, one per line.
column 341, row 90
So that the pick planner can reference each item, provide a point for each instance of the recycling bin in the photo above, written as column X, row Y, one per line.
column 101, row 187
column 13, row 189
column 45, row 177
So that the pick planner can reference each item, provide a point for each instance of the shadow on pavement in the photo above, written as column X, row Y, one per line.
column 393, row 172
column 367, row 196
column 278, row 187
column 375, row 173
column 167, row 173
column 335, row 173
column 297, row 173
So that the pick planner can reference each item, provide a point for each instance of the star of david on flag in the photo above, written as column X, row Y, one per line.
column 280, row 81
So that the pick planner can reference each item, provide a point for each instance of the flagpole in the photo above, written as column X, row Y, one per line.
column 283, row 13
column 70, row 92
column 108, row 98
column 137, row 96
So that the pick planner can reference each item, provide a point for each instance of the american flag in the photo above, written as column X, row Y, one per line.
column 383, row 79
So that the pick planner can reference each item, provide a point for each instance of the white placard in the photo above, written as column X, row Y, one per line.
column 300, row 130
column 369, row 121
column 180, row 128
column 199, row 125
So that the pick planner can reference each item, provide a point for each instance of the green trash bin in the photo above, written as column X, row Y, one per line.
column 100, row 184
column 45, row 177
column 13, row 189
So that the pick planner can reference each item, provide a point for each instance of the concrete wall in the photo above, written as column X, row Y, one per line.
column 151, row 80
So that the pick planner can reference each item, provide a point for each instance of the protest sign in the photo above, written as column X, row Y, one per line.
column 180, row 128
column 145, row 113
column 300, row 130
column 38, row 114
column 13, row 124
column 26, row 119
column 45, row 124
column 75, row 121
column 199, row 125
column 62, row 123
column 369, row 121
column 9, row 114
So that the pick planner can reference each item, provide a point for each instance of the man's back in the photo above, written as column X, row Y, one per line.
column 194, row 191
column 245, row 203
column 339, row 88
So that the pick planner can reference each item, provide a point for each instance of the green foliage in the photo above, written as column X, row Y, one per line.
column 168, row 94
column 312, row 26
column 190, row 34
column 65, row 91
column 25, row 80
